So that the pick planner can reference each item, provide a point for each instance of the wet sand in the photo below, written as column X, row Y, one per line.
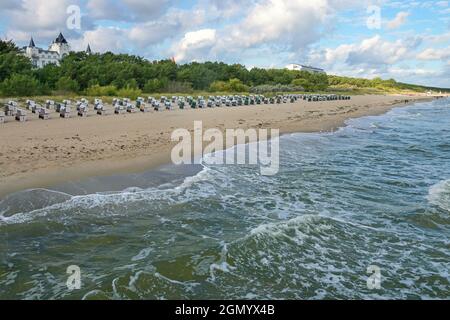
column 41, row 153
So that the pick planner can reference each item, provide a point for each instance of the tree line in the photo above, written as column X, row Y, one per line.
column 122, row 74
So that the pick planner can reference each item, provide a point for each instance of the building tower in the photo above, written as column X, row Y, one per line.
column 88, row 49
column 60, row 45
column 32, row 52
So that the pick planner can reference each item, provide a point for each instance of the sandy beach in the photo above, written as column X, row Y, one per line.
column 41, row 153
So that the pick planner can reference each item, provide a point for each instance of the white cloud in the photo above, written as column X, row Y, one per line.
column 146, row 9
column 378, row 57
column 445, row 11
column 193, row 43
column 225, row 8
column 434, row 54
column 284, row 25
column 398, row 21
column 9, row 4
column 373, row 52
column 43, row 20
column 127, row 10
column 442, row 4
column 41, row 14
column 410, row 72
column 170, row 25
column 102, row 39
column 439, row 38
column 104, row 9
column 297, row 23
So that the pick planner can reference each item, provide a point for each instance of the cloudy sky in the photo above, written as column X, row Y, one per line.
column 410, row 42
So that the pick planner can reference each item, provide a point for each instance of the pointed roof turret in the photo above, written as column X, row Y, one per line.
column 88, row 49
column 31, row 44
column 60, row 39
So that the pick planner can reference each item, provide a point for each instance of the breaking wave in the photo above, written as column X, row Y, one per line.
column 42, row 202
column 439, row 195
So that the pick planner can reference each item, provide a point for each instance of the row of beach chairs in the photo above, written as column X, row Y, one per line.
column 12, row 109
column 124, row 105
column 324, row 97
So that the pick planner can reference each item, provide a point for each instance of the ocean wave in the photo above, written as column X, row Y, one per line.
column 29, row 200
column 277, row 228
column 24, row 214
column 439, row 194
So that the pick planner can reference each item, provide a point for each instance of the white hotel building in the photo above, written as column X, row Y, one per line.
column 57, row 50
column 299, row 67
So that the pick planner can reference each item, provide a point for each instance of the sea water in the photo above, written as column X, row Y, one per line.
column 374, row 193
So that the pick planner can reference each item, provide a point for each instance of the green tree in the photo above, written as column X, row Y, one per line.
column 128, row 92
column 100, row 91
column 301, row 83
column 131, row 83
column 219, row 86
column 48, row 75
column 67, row 85
column 11, row 61
column 236, row 85
column 8, row 46
column 20, row 85
column 153, row 85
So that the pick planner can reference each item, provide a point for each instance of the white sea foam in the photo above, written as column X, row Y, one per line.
column 439, row 194
column 278, row 228
column 189, row 181
column 221, row 265
column 142, row 254
column 91, row 201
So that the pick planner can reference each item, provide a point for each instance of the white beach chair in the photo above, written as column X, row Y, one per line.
column 50, row 104
column 101, row 110
column 82, row 110
column 21, row 115
column 155, row 105
column 11, row 108
column 35, row 108
column 131, row 108
column 144, row 107
column 44, row 113
column 141, row 105
column 98, row 105
column 59, row 106
column 65, row 112
column 30, row 104
column 119, row 109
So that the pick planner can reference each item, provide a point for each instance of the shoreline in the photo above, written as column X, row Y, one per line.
column 39, row 154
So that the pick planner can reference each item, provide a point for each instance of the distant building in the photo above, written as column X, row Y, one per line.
column 88, row 49
column 57, row 50
column 299, row 67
